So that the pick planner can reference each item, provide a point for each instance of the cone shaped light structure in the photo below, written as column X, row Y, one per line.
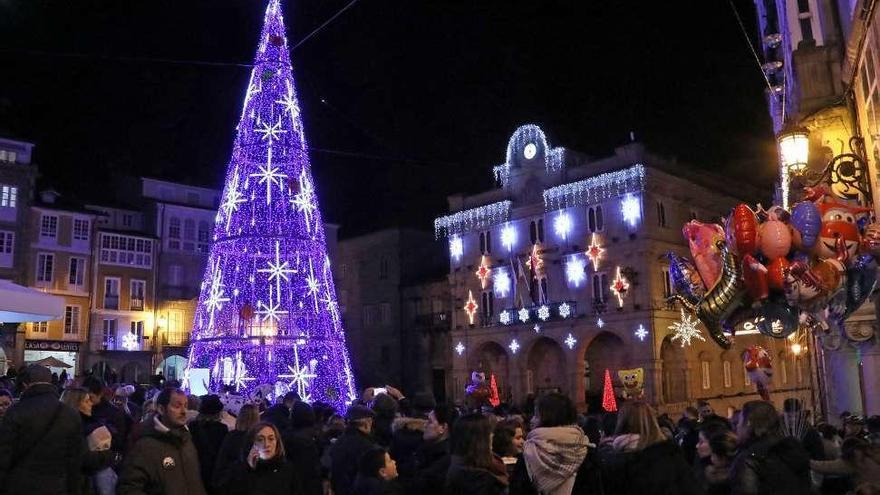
column 267, row 320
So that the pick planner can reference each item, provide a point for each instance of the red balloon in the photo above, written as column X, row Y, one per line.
column 743, row 230
column 776, row 273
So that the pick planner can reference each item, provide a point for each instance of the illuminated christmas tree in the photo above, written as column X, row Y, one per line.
column 267, row 317
column 609, row 403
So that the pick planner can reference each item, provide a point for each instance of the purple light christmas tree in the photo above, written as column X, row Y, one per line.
column 267, row 318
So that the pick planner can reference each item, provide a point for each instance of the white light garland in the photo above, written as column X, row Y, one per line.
column 472, row 219
column 596, row 189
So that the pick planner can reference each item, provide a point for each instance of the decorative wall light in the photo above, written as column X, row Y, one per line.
column 470, row 307
column 620, row 287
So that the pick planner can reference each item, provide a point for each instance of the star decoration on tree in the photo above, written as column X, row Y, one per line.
column 214, row 301
column 330, row 301
column 300, row 376
column 270, row 311
column 484, row 270
column 470, row 307
column 277, row 270
column 619, row 286
column 312, row 284
column 240, row 376
column 600, row 323
column 269, row 131
column 233, row 198
column 269, row 175
column 291, row 106
column 570, row 341
column 595, row 251
column 686, row 329
column 304, row 200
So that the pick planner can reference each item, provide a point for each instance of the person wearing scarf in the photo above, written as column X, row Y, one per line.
column 556, row 449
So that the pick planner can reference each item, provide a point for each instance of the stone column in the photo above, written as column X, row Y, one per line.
column 871, row 378
column 844, row 393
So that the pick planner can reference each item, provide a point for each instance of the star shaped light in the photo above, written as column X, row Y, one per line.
column 459, row 348
column 277, row 270
column 562, row 225
column 537, row 328
column 290, row 105
column 686, row 329
column 269, row 174
column 470, row 307
column 595, row 251
column 508, row 236
column 240, row 375
column 300, row 376
column 232, row 199
column 312, row 285
column 619, row 286
column 270, row 311
column 570, row 341
column 269, row 131
column 484, row 271
column 641, row 333
column 514, row 346
column 214, row 301
column 456, row 248
column 501, row 281
column 304, row 200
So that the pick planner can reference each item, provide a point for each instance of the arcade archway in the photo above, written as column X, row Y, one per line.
column 546, row 370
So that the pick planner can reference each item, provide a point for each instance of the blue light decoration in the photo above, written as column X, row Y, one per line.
column 508, row 236
column 575, row 271
column 562, row 225
column 501, row 282
column 456, row 248
column 268, row 317
column 631, row 208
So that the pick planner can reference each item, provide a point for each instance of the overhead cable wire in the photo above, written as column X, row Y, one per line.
column 745, row 33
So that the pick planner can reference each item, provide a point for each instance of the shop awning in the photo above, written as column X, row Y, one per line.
column 20, row 304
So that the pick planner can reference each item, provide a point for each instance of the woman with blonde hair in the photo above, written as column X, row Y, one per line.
column 263, row 466
column 641, row 459
column 230, row 450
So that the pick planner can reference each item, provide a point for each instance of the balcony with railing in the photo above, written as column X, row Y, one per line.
column 136, row 304
column 128, row 342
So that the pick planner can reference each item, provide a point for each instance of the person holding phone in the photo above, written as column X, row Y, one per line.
column 263, row 468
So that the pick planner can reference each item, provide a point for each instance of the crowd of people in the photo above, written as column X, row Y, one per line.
column 87, row 437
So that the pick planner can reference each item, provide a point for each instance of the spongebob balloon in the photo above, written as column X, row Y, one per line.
column 633, row 382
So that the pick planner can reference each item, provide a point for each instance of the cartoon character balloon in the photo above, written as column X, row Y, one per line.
column 806, row 222
column 756, row 361
column 633, row 382
column 703, row 242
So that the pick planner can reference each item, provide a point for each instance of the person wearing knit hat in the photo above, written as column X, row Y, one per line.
column 208, row 433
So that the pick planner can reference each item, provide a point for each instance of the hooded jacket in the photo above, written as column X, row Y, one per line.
column 163, row 461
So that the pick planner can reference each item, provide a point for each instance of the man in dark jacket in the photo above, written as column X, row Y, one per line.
column 207, row 433
column 279, row 414
column 767, row 462
column 107, row 413
column 41, row 440
column 301, row 446
column 432, row 457
column 164, row 459
column 348, row 449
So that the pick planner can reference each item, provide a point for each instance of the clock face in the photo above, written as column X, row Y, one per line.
column 530, row 151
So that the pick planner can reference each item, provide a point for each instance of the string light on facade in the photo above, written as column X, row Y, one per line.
column 456, row 248
column 484, row 270
column 641, row 333
column 595, row 251
column 562, row 225
column 523, row 315
column 504, row 317
column 514, row 346
column 459, row 348
column 260, row 290
column 686, row 329
column 508, row 237
column 570, row 341
column 595, row 189
column 631, row 208
column 470, row 307
column 544, row 312
column 575, row 271
column 477, row 218
column 564, row 310
column 619, row 287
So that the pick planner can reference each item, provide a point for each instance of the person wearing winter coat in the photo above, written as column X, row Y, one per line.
column 377, row 474
column 97, row 456
column 473, row 468
column 279, row 414
column 408, row 435
column 164, row 460
column 263, row 468
column 233, row 443
column 301, row 444
column 860, row 461
column 722, row 445
column 767, row 462
column 349, row 447
column 639, row 459
column 433, row 456
column 554, row 451
column 107, row 413
column 41, row 441
column 207, row 434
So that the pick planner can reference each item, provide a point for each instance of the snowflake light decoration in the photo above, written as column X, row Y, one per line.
column 484, row 270
column 523, row 315
column 508, row 237
column 130, row 341
column 543, row 312
column 470, row 307
column 631, row 209
column 570, row 341
column 300, row 376
column 269, row 131
column 595, row 251
column 564, row 310
column 214, row 301
column 312, row 285
column 537, row 328
column 619, row 286
column 456, row 248
column 514, row 346
column 641, row 333
column 600, row 323
column 240, row 376
column 270, row 311
column 277, row 270
column 575, row 271
column 269, row 174
column 504, row 317
column 501, row 282
column 459, row 348
column 304, row 200
column 686, row 329
column 562, row 225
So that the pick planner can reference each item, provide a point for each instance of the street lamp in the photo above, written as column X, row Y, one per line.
column 794, row 149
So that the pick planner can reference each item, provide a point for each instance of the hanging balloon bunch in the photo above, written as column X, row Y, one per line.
column 774, row 269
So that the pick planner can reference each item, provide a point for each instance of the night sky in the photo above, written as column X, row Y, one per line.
column 404, row 102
